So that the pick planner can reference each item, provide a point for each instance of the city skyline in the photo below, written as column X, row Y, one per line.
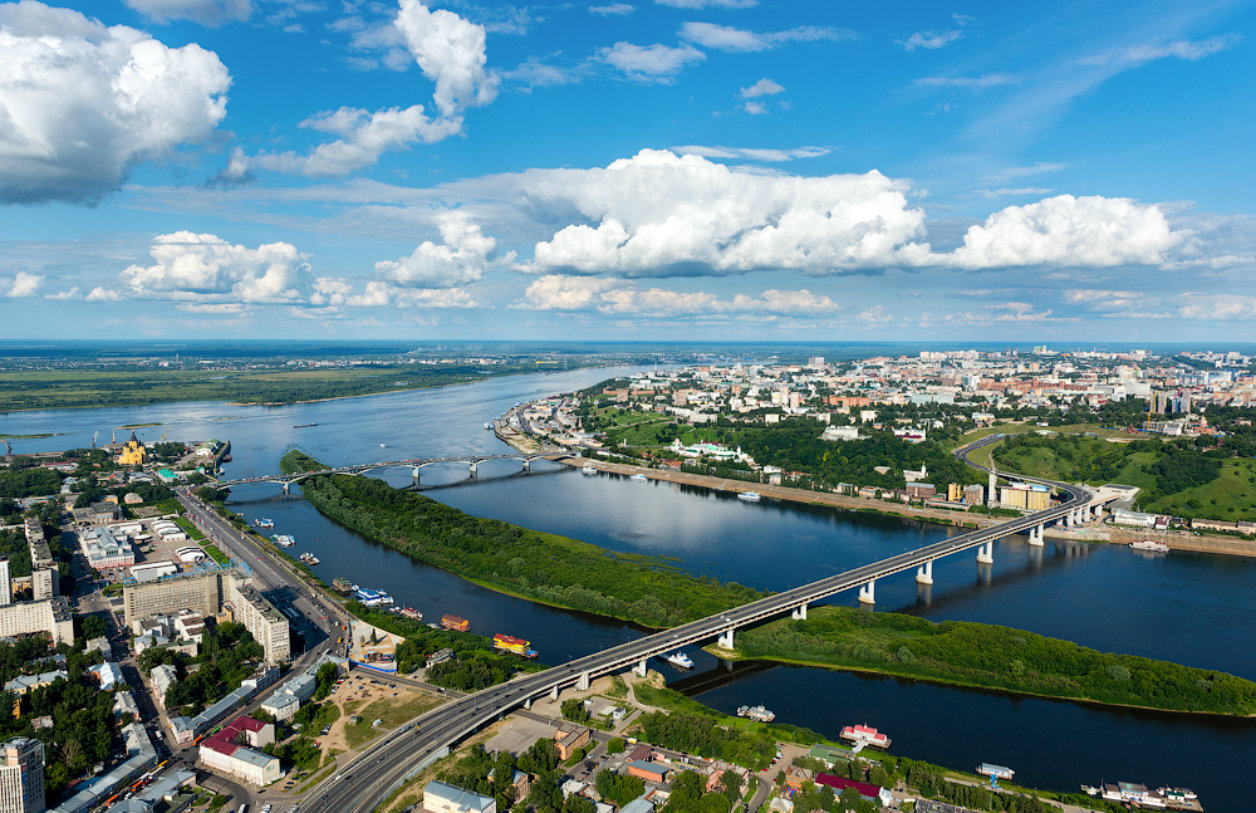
column 697, row 169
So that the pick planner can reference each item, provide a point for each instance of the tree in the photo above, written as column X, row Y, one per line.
column 575, row 711
column 615, row 745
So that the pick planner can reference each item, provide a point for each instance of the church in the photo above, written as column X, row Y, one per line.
column 133, row 453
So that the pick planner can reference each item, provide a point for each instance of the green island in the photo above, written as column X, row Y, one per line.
column 988, row 656
column 542, row 567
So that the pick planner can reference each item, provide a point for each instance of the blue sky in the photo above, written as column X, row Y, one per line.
column 688, row 169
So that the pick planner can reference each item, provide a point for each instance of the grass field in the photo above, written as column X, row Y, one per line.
column 1024, row 428
column 393, row 711
column 1230, row 497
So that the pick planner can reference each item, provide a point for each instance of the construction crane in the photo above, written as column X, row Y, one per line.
column 95, row 435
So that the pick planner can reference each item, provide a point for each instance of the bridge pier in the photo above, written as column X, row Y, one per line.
column 1098, row 513
column 582, row 685
column 527, row 464
column 639, row 669
column 1035, row 536
column 985, row 553
column 799, row 614
column 868, row 593
column 554, row 693
column 414, row 475
column 726, row 639
column 924, row 573
column 527, row 704
column 472, row 466
column 287, row 487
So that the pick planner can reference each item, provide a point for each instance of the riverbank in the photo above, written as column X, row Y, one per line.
column 991, row 657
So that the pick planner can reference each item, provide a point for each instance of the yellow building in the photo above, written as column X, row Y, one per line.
column 954, row 492
column 1025, row 497
column 133, row 453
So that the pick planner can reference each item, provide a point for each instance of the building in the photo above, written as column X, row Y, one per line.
column 439, row 797
column 649, row 771
column 6, row 582
column 22, row 776
column 974, row 494
column 105, row 550
column 163, row 677
column 235, row 751
column 22, row 684
column 873, row 793
column 1025, row 496
column 268, row 626
column 568, row 738
column 51, row 616
column 920, row 491
column 45, row 583
column 282, row 706
column 133, row 452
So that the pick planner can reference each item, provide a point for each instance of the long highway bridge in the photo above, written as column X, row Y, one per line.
column 360, row 786
column 414, row 464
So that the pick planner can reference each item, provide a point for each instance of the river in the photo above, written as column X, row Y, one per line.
column 1190, row 608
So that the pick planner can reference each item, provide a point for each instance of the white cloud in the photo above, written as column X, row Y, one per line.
column 728, row 38
column 1210, row 306
column 338, row 293
column 659, row 214
column 535, row 73
column 616, row 296
column 755, row 108
column 451, row 52
column 99, row 294
column 1178, row 49
column 983, row 82
column 613, row 9
column 23, row 285
column 1006, row 174
column 81, row 104
column 459, row 259
column 931, row 40
column 364, row 137
column 1014, row 191
column 205, row 12
column 655, row 63
column 696, row 4
column 767, row 155
column 764, row 87
column 206, row 268
column 1087, row 231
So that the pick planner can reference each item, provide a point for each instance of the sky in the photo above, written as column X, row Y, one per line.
column 650, row 170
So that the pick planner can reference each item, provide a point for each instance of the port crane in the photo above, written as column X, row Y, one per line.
column 95, row 435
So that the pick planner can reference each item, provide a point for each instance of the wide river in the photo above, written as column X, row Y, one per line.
column 1192, row 608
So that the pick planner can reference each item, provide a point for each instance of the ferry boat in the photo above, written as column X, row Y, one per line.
column 588, row 470
column 308, row 558
column 866, row 735
column 264, row 522
column 758, row 713
column 372, row 598
column 680, row 660
column 749, row 496
column 1150, row 545
column 453, row 622
column 639, row 477
column 513, row 645
column 284, row 540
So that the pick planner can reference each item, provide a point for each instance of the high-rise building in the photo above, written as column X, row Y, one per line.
column 22, row 776
column 6, row 582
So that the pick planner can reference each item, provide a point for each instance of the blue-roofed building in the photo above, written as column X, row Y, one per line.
column 439, row 797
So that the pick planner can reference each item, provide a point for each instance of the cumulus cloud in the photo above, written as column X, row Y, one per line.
column 339, row 293
column 662, row 214
column 764, row 87
column 728, row 38
column 617, row 296
column 81, row 103
column 613, row 9
column 755, row 108
column 364, row 137
column 459, row 259
column 451, row 53
column 931, row 40
column 22, row 285
column 207, row 268
column 205, row 12
column 650, row 63
column 1089, row 231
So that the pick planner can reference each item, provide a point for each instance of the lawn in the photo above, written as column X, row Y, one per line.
column 393, row 711
column 1230, row 497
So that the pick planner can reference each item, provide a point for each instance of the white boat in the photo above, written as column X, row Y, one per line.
column 588, row 470
column 264, row 522
column 640, row 477
column 383, row 446
column 757, row 713
column 488, row 426
column 680, row 660
column 1150, row 545
column 749, row 496
column 284, row 540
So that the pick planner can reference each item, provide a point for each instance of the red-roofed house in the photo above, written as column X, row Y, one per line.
column 233, row 750
column 873, row 793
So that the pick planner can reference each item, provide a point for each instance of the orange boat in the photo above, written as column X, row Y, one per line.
column 453, row 622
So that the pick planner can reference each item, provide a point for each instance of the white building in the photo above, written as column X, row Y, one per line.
column 439, row 797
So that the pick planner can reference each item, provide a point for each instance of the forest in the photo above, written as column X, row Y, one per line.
column 539, row 566
column 995, row 657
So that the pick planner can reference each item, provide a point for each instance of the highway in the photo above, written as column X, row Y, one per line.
column 359, row 787
column 362, row 468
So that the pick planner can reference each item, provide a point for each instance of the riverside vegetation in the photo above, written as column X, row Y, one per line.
column 539, row 566
column 993, row 657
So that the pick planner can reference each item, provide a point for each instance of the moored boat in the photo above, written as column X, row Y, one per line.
column 866, row 735
column 308, row 558
column 264, row 522
column 749, row 496
column 513, row 645
column 1150, row 545
column 680, row 660
column 760, row 713
column 284, row 540
column 410, row 612
column 588, row 470
column 453, row 622
column 638, row 477
column 368, row 597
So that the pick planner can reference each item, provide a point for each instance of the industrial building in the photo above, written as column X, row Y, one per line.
column 22, row 776
column 1025, row 496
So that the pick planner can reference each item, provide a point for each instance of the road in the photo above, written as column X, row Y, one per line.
column 364, row 783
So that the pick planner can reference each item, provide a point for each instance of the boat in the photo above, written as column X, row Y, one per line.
column 995, row 771
column 680, row 660
column 284, row 540
column 866, row 735
column 372, row 598
column 488, row 427
column 749, row 496
column 343, row 585
column 409, row 612
column 383, row 446
column 588, row 470
column 264, row 522
column 639, row 477
column 303, row 425
column 308, row 558
column 759, row 713
column 453, row 622
column 515, row 646
column 1150, row 545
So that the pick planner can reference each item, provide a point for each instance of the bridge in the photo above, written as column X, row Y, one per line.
column 414, row 464
column 359, row 787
